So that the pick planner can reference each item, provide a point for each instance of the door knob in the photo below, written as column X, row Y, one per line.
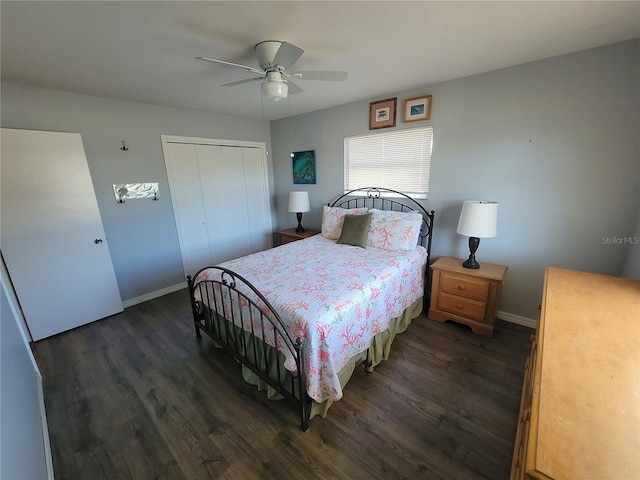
column 97, row 241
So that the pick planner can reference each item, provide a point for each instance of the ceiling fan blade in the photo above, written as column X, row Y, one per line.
column 294, row 88
column 240, row 82
column 328, row 75
column 287, row 55
column 251, row 69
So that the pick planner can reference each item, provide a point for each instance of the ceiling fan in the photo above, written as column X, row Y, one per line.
column 274, row 58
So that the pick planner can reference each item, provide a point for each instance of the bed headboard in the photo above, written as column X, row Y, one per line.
column 386, row 199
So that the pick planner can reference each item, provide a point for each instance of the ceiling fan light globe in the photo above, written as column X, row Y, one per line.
column 275, row 91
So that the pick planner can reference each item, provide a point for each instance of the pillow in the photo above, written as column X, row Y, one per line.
column 391, row 230
column 332, row 218
column 355, row 230
column 391, row 214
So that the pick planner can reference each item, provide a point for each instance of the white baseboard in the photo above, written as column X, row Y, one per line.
column 45, row 429
column 152, row 295
column 524, row 321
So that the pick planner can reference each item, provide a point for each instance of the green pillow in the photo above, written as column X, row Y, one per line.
column 355, row 230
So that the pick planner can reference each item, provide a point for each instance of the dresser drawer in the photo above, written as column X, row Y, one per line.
column 529, row 383
column 462, row 306
column 477, row 289
column 520, row 452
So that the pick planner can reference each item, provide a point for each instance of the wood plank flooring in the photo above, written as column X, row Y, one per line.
column 137, row 396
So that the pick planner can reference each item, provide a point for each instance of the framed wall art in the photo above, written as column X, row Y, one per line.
column 382, row 114
column 417, row 108
column 304, row 167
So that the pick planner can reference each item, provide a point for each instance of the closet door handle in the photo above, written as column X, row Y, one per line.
column 97, row 241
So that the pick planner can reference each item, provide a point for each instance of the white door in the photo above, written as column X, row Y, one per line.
column 222, row 178
column 220, row 196
column 188, row 208
column 52, row 237
column 258, row 207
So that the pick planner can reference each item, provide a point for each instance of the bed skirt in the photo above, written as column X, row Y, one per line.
column 378, row 351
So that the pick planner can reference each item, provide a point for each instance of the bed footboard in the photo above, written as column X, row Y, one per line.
column 235, row 315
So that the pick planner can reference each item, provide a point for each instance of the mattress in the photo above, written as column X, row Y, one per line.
column 336, row 297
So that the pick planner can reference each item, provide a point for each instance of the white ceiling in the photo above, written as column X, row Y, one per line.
column 144, row 51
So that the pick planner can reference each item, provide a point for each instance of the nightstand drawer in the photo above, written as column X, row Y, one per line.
column 465, row 286
column 461, row 306
column 290, row 235
column 465, row 295
column 287, row 239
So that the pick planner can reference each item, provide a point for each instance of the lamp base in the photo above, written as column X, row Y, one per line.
column 300, row 228
column 471, row 261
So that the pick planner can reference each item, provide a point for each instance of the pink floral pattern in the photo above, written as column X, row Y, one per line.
column 337, row 297
column 394, row 230
column 333, row 218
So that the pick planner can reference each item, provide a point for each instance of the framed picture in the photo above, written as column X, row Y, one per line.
column 304, row 167
column 382, row 114
column 417, row 108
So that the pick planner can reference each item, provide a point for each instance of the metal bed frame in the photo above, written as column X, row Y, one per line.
column 237, row 333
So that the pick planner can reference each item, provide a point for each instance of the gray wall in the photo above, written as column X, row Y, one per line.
column 631, row 267
column 556, row 142
column 141, row 234
column 25, row 447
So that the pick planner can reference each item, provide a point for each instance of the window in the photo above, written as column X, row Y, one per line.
column 398, row 160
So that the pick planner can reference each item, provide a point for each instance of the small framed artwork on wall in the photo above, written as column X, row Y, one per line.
column 417, row 108
column 304, row 167
column 382, row 114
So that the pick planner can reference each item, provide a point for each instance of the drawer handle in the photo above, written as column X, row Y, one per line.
column 460, row 306
column 461, row 287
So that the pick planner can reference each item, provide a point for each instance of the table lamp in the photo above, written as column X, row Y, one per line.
column 478, row 219
column 299, row 203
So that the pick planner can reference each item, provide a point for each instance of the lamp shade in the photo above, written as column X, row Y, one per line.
column 478, row 218
column 298, row 202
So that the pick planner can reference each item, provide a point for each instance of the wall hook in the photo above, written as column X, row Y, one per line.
column 124, row 147
column 121, row 193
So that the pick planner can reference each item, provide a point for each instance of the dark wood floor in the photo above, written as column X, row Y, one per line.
column 136, row 396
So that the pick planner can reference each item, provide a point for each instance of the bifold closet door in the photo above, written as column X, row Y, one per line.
column 233, row 197
column 223, row 195
column 258, row 203
column 52, row 238
column 188, row 207
column 220, row 201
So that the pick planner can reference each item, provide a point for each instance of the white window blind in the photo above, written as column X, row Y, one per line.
column 398, row 160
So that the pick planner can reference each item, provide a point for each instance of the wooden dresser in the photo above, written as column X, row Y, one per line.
column 580, row 407
column 466, row 295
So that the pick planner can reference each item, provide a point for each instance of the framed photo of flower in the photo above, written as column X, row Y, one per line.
column 382, row 114
column 417, row 108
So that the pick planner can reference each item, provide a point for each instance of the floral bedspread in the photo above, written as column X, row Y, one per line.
column 337, row 297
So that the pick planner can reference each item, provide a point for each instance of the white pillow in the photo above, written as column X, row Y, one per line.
column 333, row 218
column 391, row 230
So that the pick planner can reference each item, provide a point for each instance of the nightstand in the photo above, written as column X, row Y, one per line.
column 466, row 295
column 290, row 235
